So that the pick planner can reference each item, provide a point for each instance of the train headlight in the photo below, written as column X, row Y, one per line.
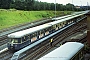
column 11, row 44
column 15, row 45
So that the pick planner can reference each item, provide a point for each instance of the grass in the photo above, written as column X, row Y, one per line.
column 10, row 18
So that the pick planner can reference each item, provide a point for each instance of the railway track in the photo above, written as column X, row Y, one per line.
column 42, row 48
column 38, row 51
column 3, row 40
column 6, row 55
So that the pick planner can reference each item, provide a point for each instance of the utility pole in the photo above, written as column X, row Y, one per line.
column 87, row 5
column 55, row 8
column 81, row 5
column 72, row 5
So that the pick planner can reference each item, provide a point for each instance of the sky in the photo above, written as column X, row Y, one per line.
column 64, row 2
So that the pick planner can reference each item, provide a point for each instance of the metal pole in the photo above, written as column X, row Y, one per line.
column 72, row 5
column 87, row 5
column 81, row 5
column 55, row 8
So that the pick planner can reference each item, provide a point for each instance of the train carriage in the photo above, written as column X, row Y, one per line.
column 23, row 38
column 68, row 51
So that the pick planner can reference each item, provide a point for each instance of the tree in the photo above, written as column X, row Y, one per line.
column 29, row 4
column 5, row 4
column 52, row 7
column 70, row 7
column 35, row 5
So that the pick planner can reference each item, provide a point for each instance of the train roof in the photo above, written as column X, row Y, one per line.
column 61, row 17
column 74, row 13
column 28, row 31
column 58, row 21
column 64, row 52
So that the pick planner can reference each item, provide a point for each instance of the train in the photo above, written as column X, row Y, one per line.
column 21, row 39
column 67, row 51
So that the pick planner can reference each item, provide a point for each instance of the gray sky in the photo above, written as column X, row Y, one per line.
column 75, row 2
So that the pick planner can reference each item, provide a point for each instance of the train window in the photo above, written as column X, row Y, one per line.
column 47, row 31
column 14, row 40
column 41, row 33
column 54, row 26
column 28, row 37
column 33, row 36
column 50, row 29
column 19, row 40
column 57, row 27
column 71, row 21
column 60, row 25
column 24, row 38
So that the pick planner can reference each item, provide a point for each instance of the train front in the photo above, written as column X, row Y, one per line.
column 13, row 43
